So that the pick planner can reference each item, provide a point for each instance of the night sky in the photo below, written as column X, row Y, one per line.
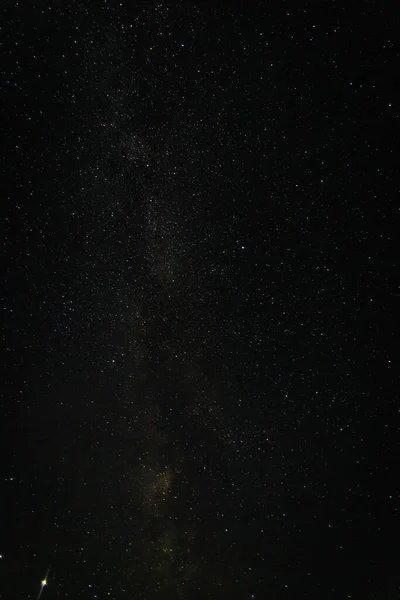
column 200, row 284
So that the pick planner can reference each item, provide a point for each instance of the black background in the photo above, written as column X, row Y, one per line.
column 200, row 359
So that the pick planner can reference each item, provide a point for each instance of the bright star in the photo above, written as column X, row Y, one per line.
column 43, row 584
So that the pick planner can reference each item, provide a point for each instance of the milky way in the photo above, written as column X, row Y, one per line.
column 145, row 161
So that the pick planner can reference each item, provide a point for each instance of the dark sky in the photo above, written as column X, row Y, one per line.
column 199, row 210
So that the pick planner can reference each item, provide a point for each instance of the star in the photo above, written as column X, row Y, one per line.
column 43, row 584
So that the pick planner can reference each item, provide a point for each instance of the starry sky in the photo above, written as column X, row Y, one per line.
column 200, row 394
